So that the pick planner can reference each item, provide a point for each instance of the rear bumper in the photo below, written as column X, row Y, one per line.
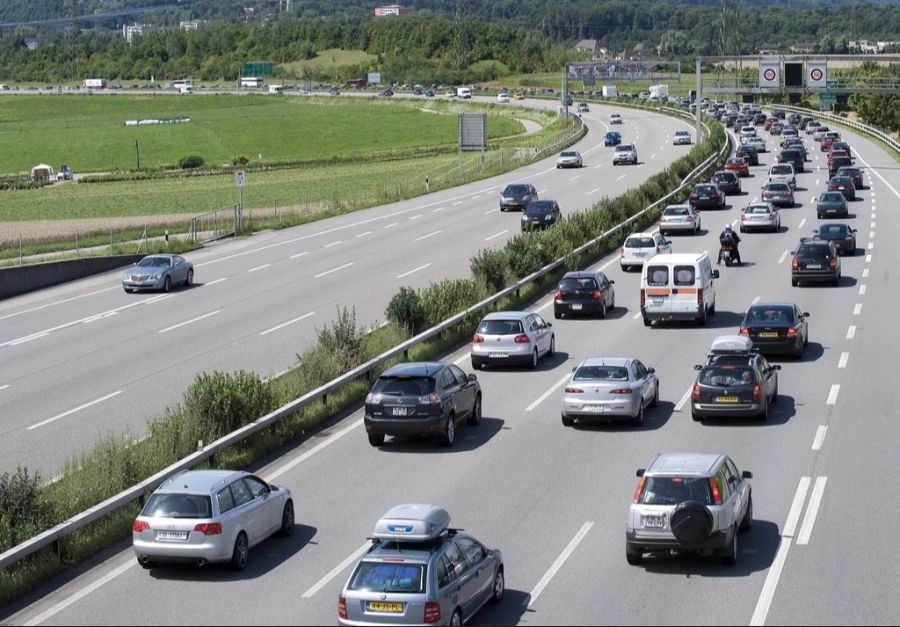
column 583, row 307
column 424, row 425
column 514, row 356
column 737, row 410
column 814, row 276
column 718, row 540
column 780, row 346
column 182, row 552
column 670, row 316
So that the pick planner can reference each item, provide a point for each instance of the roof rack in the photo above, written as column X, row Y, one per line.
column 412, row 523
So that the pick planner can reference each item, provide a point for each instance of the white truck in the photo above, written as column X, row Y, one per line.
column 659, row 92
column 463, row 92
column 610, row 91
column 276, row 89
column 94, row 83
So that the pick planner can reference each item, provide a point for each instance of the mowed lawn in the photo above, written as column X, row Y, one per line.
column 89, row 134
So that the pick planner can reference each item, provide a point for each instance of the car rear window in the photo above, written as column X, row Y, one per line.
column 606, row 373
column 500, row 327
column 726, row 375
column 675, row 490
column 640, row 242
column 810, row 251
column 831, row 197
column 684, row 275
column 572, row 283
column 388, row 577
column 404, row 386
column 538, row 207
column 166, row 505
column 676, row 211
column 833, row 229
column 777, row 187
column 757, row 209
column 783, row 169
column 657, row 275
column 775, row 314
column 515, row 189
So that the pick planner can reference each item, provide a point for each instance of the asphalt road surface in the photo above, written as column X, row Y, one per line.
column 554, row 499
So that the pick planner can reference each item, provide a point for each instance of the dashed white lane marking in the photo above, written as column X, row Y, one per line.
column 72, row 411
column 784, row 545
column 327, row 272
column 577, row 176
column 593, row 191
column 476, row 196
column 364, row 234
column 457, row 203
column 857, row 308
column 636, row 316
column 842, row 362
column 755, row 300
column 851, row 332
column 427, row 235
column 191, row 321
column 337, row 570
column 783, row 256
column 802, row 222
column 438, row 209
column 214, row 282
column 833, row 394
column 812, row 510
column 415, row 217
column 303, row 254
column 392, row 224
column 288, row 323
column 862, row 289
column 3, row 387
column 503, row 232
column 557, row 564
column 262, row 267
column 817, row 182
column 865, row 273
column 872, row 225
column 820, row 437
column 871, row 245
column 684, row 399
column 490, row 211
column 871, row 233
column 406, row 274
column 868, row 258
column 544, row 396
column 653, row 156
column 621, row 177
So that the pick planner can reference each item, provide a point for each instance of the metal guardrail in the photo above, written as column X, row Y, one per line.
column 138, row 491
column 870, row 130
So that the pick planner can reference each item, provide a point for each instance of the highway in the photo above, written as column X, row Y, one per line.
column 554, row 499
column 83, row 360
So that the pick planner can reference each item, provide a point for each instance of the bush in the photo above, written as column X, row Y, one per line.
column 344, row 342
column 241, row 160
column 489, row 266
column 219, row 403
column 448, row 298
column 191, row 162
column 407, row 310
column 23, row 513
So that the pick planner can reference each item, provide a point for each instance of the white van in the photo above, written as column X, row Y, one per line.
column 783, row 173
column 463, row 92
column 678, row 286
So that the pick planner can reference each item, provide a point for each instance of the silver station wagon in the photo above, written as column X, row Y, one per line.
column 419, row 571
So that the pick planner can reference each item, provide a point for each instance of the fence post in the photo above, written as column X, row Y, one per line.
column 21, row 261
column 110, row 241
column 76, row 244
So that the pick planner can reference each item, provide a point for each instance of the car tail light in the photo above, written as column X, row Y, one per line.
column 573, row 390
column 621, row 391
column 745, row 331
column 757, row 391
column 429, row 399
column 342, row 608
column 714, row 195
column 209, row 529
column 833, row 263
column 716, row 494
column 558, row 295
column 695, row 393
column 700, row 297
column 743, row 216
column 596, row 295
column 521, row 339
column 657, row 249
column 690, row 218
column 791, row 332
column 694, row 196
column 643, row 297
column 848, row 237
column 432, row 612
column 622, row 252
column 478, row 339
column 638, row 490
column 795, row 265
column 662, row 218
column 139, row 525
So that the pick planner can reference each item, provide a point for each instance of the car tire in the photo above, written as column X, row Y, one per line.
column 747, row 520
column 376, row 439
column 702, row 319
column 189, row 279
column 799, row 352
column 795, row 283
column 241, row 552
column 655, row 401
column 534, row 360
column 836, row 281
column 742, row 230
column 128, row 290
column 730, row 554
column 764, row 414
column 696, row 417
column 478, row 365
column 456, row 619
column 167, row 285
column 691, row 523
column 612, row 302
column 775, row 394
column 449, row 434
column 475, row 416
column 557, row 314
column 287, row 520
column 499, row 587
column 647, row 321
column 638, row 420
column 633, row 556
column 603, row 309
column 552, row 350
column 502, row 209
column 567, row 421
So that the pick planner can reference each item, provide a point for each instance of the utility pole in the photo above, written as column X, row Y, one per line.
column 458, row 42
column 137, row 150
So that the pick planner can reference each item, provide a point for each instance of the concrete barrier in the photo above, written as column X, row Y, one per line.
column 23, row 279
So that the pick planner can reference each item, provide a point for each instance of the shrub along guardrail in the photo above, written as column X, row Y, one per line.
column 532, row 259
column 859, row 126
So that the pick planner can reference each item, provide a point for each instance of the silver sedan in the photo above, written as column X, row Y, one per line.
column 158, row 272
column 569, row 159
column 609, row 388
column 760, row 215
column 679, row 219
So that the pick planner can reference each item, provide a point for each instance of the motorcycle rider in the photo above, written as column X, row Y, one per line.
column 729, row 238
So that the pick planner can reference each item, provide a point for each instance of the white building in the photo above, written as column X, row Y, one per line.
column 130, row 30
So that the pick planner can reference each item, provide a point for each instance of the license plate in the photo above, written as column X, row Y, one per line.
column 654, row 522
column 727, row 399
column 172, row 535
column 814, row 266
column 498, row 355
column 383, row 606
column 768, row 334
column 597, row 409
column 576, row 306
column 399, row 411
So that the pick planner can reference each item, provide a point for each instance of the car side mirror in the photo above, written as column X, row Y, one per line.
column 612, row 282
column 776, row 367
column 640, row 472
column 698, row 367
column 806, row 314
column 715, row 274
column 746, row 475
column 472, row 377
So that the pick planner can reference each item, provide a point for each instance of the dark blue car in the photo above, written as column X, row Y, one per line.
column 613, row 138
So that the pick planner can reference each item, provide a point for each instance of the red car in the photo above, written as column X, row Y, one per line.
column 769, row 122
column 836, row 153
column 826, row 143
column 736, row 164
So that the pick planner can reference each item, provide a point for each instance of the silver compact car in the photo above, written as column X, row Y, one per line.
column 506, row 337
column 419, row 571
column 569, row 159
column 679, row 219
column 625, row 153
column 689, row 502
column 206, row 516
column 158, row 272
column 605, row 388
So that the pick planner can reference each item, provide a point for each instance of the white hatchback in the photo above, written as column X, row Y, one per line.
column 615, row 118
column 639, row 247
column 503, row 98
column 681, row 137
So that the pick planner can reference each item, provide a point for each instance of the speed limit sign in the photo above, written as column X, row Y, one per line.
column 769, row 74
column 239, row 178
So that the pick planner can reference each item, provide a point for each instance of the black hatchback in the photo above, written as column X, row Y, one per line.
column 422, row 398
column 815, row 260
column 728, row 182
column 776, row 328
column 707, row 196
column 539, row 214
column 792, row 156
column 584, row 292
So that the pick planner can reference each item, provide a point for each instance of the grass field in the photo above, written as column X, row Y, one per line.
column 328, row 60
column 88, row 132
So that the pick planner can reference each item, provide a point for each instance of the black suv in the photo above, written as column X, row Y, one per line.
column 794, row 157
column 748, row 153
column 539, row 214
column 734, row 386
column 776, row 327
column 584, row 292
column 517, row 196
column 422, row 398
column 728, row 182
column 815, row 260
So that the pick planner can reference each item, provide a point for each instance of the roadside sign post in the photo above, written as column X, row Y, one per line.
column 239, row 180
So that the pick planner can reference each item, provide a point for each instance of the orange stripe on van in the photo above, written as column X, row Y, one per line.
column 657, row 291
column 685, row 290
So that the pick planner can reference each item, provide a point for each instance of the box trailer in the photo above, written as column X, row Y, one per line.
column 659, row 92
column 94, row 83
column 251, row 81
column 610, row 91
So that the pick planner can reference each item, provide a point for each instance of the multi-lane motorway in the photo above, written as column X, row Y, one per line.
column 83, row 360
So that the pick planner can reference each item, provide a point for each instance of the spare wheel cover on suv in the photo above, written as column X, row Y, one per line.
column 691, row 523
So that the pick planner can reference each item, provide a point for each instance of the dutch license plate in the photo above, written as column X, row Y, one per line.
column 655, row 522
column 172, row 535
column 768, row 334
column 496, row 355
column 576, row 306
column 399, row 411
column 384, row 606
column 727, row 399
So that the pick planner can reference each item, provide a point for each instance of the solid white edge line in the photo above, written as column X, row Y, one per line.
column 289, row 322
column 833, row 394
column 812, row 510
column 406, row 274
column 820, row 437
column 72, row 411
column 186, row 322
column 503, row 232
column 22, row 340
column 546, row 394
column 337, row 570
column 432, row 234
column 554, row 568
column 321, row 274
column 90, row 588
column 842, row 362
column 265, row 265
column 59, row 302
column 684, row 399
column 458, row 361
column 302, row 458
column 771, row 583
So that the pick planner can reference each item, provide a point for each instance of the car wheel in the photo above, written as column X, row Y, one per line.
column 241, row 552
column 477, row 365
column 534, row 359
column 730, row 555
column 376, row 439
column 747, row 520
column 655, row 400
column 795, row 283
column 696, row 417
column 456, row 619
column 638, row 420
column 167, row 285
column 702, row 319
column 499, row 587
column 128, row 290
column 189, row 279
column 646, row 321
column 552, row 351
column 503, row 209
column 798, row 353
column 567, row 421
column 475, row 416
column 742, row 230
column 603, row 309
column 449, row 434
column 557, row 314
column 775, row 394
column 764, row 414
column 632, row 555
column 836, row 281
column 287, row 520
column 612, row 302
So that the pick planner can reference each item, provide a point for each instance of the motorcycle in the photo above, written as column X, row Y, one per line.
column 728, row 254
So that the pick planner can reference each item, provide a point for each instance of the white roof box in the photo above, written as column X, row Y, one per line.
column 416, row 522
column 731, row 344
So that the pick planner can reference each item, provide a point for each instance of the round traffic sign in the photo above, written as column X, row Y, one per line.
column 769, row 74
column 816, row 74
